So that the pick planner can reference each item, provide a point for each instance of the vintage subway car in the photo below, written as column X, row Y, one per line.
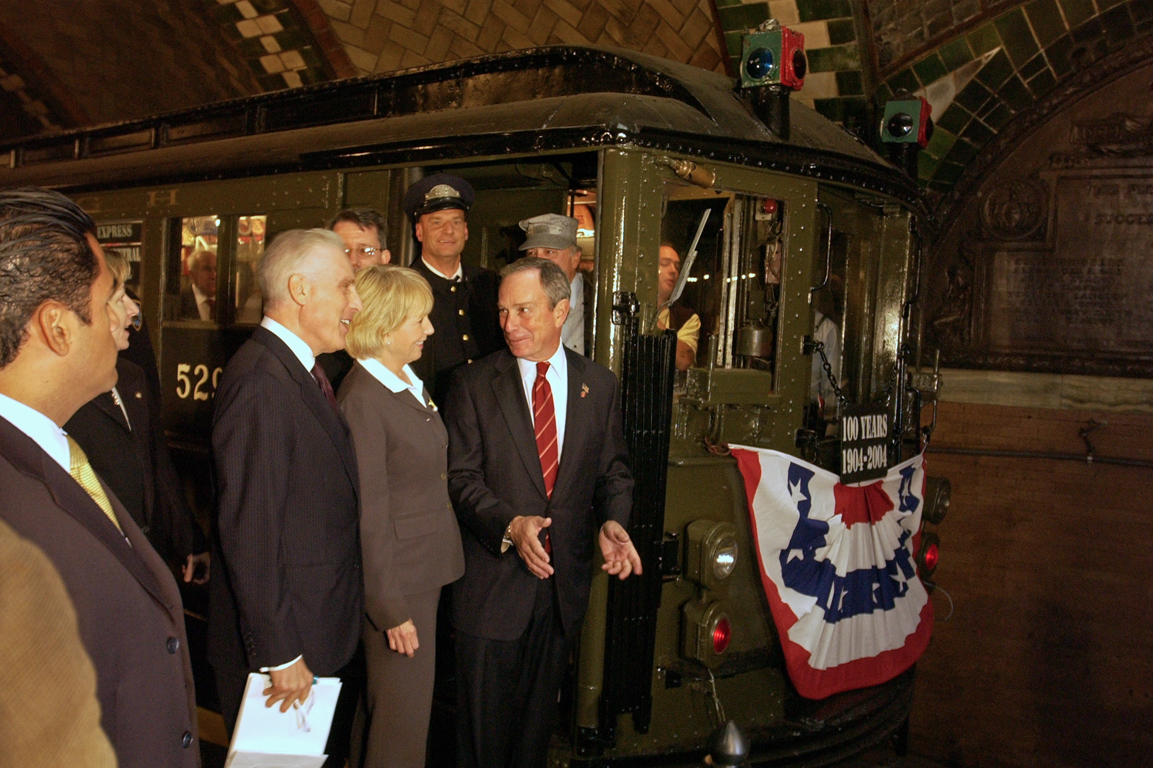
column 642, row 151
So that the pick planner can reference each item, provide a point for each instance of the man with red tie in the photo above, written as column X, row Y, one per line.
column 536, row 452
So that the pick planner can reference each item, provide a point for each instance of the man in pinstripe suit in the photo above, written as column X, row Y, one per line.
column 291, row 599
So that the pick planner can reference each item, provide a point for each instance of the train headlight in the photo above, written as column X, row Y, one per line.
column 773, row 55
column 705, row 632
column 928, row 555
column 760, row 64
column 711, row 553
column 938, row 494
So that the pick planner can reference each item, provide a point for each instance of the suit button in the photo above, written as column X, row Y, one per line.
column 453, row 288
column 448, row 505
column 443, row 476
column 186, row 740
column 460, row 312
column 464, row 337
column 173, row 645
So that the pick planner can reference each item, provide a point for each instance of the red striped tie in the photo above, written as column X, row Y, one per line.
column 544, row 421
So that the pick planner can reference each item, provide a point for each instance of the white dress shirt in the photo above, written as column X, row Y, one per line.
column 394, row 382
column 41, row 429
column 572, row 333
column 302, row 351
column 457, row 275
column 557, row 378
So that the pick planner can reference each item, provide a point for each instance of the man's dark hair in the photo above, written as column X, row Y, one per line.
column 43, row 256
column 363, row 218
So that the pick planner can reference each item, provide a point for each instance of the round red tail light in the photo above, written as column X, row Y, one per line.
column 721, row 636
column 931, row 555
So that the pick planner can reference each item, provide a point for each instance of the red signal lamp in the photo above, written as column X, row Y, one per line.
column 721, row 635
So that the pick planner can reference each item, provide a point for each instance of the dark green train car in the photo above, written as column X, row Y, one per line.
column 643, row 151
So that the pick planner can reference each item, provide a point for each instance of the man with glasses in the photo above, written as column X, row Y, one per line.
column 360, row 229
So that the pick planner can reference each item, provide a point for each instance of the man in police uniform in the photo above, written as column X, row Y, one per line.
column 553, row 237
column 464, row 316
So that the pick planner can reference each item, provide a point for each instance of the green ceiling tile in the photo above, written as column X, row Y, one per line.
column 1017, row 36
column 882, row 94
column 1059, row 54
column 1033, row 66
column 841, row 31
column 962, row 152
column 1104, row 4
column 818, row 10
column 1046, row 19
column 998, row 116
column 723, row 3
column 930, row 69
column 973, row 96
column 996, row 71
column 955, row 53
column 733, row 43
column 984, row 39
column 1042, row 83
column 1142, row 13
column 954, row 119
column 1089, row 32
column 948, row 173
column 1118, row 25
column 941, row 142
column 904, row 80
column 1016, row 95
column 743, row 17
column 835, row 58
column 1077, row 11
column 226, row 14
column 978, row 133
column 833, row 109
column 251, row 48
column 926, row 165
column 849, row 83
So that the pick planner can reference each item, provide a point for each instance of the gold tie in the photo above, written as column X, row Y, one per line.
column 83, row 473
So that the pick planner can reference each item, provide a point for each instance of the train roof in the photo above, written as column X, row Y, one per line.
column 543, row 99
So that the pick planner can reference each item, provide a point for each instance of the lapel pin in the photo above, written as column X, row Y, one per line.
column 584, row 389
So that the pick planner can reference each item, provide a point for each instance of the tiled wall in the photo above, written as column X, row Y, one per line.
column 834, row 85
column 980, row 79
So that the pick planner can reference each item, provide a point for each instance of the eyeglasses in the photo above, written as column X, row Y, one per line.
column 136, row 322
column 364, row 250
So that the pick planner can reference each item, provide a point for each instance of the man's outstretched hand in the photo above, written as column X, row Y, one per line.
column 621, row 558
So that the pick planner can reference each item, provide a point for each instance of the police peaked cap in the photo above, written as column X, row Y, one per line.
column 438, row 192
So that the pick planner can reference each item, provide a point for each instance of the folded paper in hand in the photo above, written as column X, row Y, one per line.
column 265, row 737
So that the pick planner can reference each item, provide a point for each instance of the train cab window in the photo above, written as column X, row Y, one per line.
column 246, row 296
column 195, row 267
column 731, row 247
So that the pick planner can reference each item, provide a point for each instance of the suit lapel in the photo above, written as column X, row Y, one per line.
column 107, row 405
column 310, row 393
column 575, row 419
column 31, row 460
column 509, row 392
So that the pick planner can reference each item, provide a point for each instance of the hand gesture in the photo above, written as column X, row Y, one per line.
column 402, row 638
column 621, row 558
column 525, row 534
column 290, row 685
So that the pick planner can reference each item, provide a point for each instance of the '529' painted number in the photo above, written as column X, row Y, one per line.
column 203, row 389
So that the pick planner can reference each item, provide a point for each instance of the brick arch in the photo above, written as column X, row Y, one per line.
column 994, row 73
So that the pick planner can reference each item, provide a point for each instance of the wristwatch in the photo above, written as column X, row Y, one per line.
column 506, row 540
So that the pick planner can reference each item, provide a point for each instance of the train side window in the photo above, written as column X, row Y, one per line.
column 692, row 242
column 192, row 278
column 246, row 297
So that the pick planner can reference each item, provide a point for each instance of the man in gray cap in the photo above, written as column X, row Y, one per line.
column 464, row 314
column 553, row 237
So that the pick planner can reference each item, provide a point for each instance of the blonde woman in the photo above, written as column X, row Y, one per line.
column 409, row 535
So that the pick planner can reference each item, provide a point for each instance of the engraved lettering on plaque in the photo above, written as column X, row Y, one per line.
column 1095, row 294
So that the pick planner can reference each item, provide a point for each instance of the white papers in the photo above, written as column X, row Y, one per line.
column 265, row 737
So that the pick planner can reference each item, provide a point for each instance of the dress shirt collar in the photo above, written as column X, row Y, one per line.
column 457, row 275
column 394, row 383
column 41, row 429
column 557, row 378
column 301, row 350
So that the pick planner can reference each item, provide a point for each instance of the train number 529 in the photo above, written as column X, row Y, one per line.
column 205, row 386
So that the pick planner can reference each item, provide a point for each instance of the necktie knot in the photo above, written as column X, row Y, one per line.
column 541, row 370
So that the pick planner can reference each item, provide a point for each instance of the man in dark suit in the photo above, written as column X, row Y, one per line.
column 56, row 353
column 198, row 299
column 536, row 453
column 463, row 297
column 287, row 592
